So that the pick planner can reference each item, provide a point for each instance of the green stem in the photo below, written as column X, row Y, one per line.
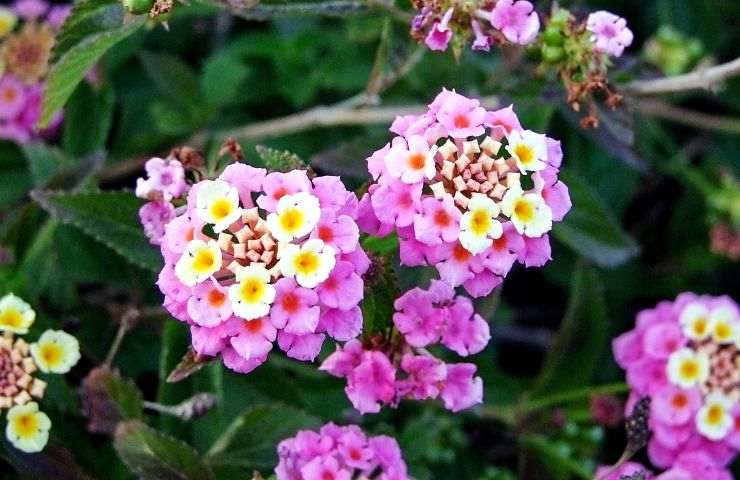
column 509, row 413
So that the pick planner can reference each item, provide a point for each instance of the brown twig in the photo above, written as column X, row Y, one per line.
column 701, row 79
column 684, row 116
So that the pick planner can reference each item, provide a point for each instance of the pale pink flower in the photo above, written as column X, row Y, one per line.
column 209, row 304
column 154, row 216
column 12, row 97
column 461, row 116
column 461, row 390
column 517, row 20
column 278, row 184
column 440, row 34
column 343, row 289
column 610, row 33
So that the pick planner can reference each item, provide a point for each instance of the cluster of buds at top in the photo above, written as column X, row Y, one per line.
column 54, row 352
column 580, row 52
column 440, row 23
column 158, row 10
column 468, row 191
column 26, row 38
column 685, row 356
column 390, row 367
column 253, row 257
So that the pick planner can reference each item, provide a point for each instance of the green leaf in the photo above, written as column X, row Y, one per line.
column 251, row 439
column 590, row 229
column 279, row 160
column 14, row 171
column 380, row 292
column 556, row 458
column 88, row 117
column 152, row 455
column 109, row 217
column 574, row 354
column 176, row 83
column 86, row 18
column 222, row 80
column 381, row 245
column 44, row 162
column 71, row 67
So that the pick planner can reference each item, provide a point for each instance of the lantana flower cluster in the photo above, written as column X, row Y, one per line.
column 254, row 257
column 55, row 351
column 26, row 38
column 468, row 191
column 339, row 453
column 685, row 356
column 690, row 466
column 383, row 373
column 480, row 23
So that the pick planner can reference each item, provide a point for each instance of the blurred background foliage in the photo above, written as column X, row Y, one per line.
column 647, row 193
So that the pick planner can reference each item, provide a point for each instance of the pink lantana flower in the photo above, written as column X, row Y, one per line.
column 165, row 180
column 246, row 274
column 339, row 453
column 440, row 34
column 517, row 20
column 681, row 355
column 610, row 33
column 154, row 216
column 455, row 218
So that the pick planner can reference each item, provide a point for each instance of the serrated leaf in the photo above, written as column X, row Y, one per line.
column 70, row 68
column 590, row 229
column 574, row 354
column 251, row 439
column 86, row 18
column 152, row 455
column 109, row 217
column 279, row 160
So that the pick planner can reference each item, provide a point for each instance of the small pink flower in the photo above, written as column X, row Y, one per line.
column 417, row 319
column 294, row 309
column 461, row 389
column 154, row 216
column 674, row 406
column 502, row 122
column 344, row 359
column 341, row 325
column 246, row 179
column 57, row 15
column 340, row 232
column 277, row 184
column 536, row 251
column 610, row 33
column 438, row 221
column 354, row 449
column 253, row 338
column 12, row 97
column 343, row 289
column 461, row 116
column 301, row 347
column 209, row 304
column 516, row 20
column 440, row 34
column 413, row 162
column 465, row 332
column 30, row 9
column 334, row 196
column 166, row 178
column 236, row 362
column 425, row 375
column 396, row 203
column 371, row 383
